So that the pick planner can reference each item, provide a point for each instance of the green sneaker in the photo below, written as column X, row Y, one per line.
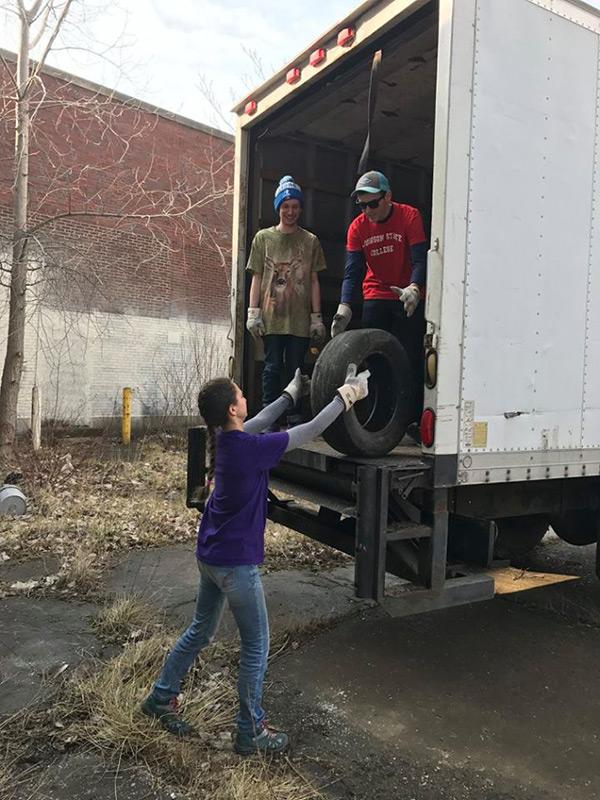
column 167, row 713
column 267, row 742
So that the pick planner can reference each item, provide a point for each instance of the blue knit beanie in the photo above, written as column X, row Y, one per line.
column 288, row 189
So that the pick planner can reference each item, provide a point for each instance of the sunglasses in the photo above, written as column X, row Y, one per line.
column 371, row 203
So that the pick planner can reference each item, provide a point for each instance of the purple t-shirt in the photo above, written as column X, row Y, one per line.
column 231, row 531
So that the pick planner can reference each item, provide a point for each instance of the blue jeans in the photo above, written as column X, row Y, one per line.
column 389, row 315
column 243, row 590
column 283, row 355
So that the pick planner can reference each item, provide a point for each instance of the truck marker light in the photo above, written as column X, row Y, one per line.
column 346, row 37
column 431, row 363
column 293, row 75
column 317, row 57
column 427, row 427
column 250, row 107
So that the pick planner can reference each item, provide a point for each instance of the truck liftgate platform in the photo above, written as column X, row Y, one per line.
column 384, row 512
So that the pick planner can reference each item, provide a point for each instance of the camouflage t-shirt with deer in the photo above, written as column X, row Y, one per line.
column 285, row 262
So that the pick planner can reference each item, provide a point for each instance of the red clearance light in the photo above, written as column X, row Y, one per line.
column 250, row 107
column 293, row 75
column 346, row 37
column 427, row 427
column 317, row 57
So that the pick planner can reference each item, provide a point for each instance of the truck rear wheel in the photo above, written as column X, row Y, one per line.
column 376, row 425
column 577, row 526
column 518, row 535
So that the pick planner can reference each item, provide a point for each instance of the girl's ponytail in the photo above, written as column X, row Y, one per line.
column 202, row 492
column 214, row 400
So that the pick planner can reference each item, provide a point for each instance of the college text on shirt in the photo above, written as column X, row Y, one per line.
column 379, row 238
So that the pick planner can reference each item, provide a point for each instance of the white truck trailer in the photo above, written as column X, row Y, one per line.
column 487, row 120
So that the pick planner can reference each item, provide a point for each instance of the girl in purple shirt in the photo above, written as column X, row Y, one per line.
column 231, row 546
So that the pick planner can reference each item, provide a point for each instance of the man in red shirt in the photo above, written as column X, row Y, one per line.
column 386, row 249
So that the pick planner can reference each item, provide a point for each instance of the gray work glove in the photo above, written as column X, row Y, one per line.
column 409, row 296
column 342, row 317
column 355, row 388
column 317, row 331
column 254, row 323
column 298, row 387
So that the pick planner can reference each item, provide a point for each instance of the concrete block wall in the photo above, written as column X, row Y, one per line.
column 81, row 364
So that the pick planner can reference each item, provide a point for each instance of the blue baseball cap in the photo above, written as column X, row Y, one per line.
column 371, row 182
column 288, row 189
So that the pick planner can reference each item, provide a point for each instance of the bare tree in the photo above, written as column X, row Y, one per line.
column 82, row 145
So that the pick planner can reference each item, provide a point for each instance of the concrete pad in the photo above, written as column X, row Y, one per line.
column 492, row 693
column 38, row 636
column 35, row 569
column 168, row 578
column 85, row 776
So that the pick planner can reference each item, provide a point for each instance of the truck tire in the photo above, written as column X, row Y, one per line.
column 518, row 535
column 376, row 425
column 577, row 526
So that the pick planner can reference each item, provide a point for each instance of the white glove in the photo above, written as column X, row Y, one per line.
column 342, row 317
column 356, row 386
column 254, row 323
column 409, row 296
column 298, row 387
column 317, row 329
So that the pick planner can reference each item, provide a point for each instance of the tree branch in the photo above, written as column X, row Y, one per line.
column 40, row 63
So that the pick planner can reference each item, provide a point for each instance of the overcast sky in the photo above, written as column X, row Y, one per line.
column 166, row 46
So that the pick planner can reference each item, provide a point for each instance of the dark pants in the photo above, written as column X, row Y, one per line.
column 283, row 355
column 389, row 316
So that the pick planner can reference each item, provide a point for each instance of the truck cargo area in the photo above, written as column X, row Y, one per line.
column 319, row 138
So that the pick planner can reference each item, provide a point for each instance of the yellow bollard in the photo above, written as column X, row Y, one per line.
column 126, row 416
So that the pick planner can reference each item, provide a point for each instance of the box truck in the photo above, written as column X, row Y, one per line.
column 485, row 115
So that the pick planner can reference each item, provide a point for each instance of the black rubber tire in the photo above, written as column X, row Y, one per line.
column 518, row 535
column 376, row 425
column 577, row 526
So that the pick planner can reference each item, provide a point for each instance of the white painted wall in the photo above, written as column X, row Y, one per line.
column 83, row 361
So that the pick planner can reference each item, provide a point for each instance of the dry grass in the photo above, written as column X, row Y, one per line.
column 286, row 549
column 77, row 493
column 126, row 617
column 108, row 701
column 7, row 782
column 81, row 570
column 112, row 694
column 19, row 775
column 259, row 781
column 84, row 502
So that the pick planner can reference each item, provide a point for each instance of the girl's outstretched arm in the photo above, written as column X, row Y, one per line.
column 354, row 389
column 296, row 388
column 268, row 415
column 308, row 431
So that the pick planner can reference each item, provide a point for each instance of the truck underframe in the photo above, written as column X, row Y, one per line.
column 390, row 517
column 387, row 515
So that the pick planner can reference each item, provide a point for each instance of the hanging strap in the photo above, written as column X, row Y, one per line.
column 364, row 158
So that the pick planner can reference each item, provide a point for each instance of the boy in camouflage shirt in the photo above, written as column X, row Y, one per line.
column 285, row 296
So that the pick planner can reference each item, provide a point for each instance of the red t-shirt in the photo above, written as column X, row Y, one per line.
column 386, row 248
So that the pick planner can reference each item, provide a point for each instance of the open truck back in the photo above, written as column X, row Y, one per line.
column 488, row 121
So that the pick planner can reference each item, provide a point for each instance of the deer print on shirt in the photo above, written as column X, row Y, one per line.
column 285, row 279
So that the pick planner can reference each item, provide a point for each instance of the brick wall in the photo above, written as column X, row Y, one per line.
column 132, row 214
